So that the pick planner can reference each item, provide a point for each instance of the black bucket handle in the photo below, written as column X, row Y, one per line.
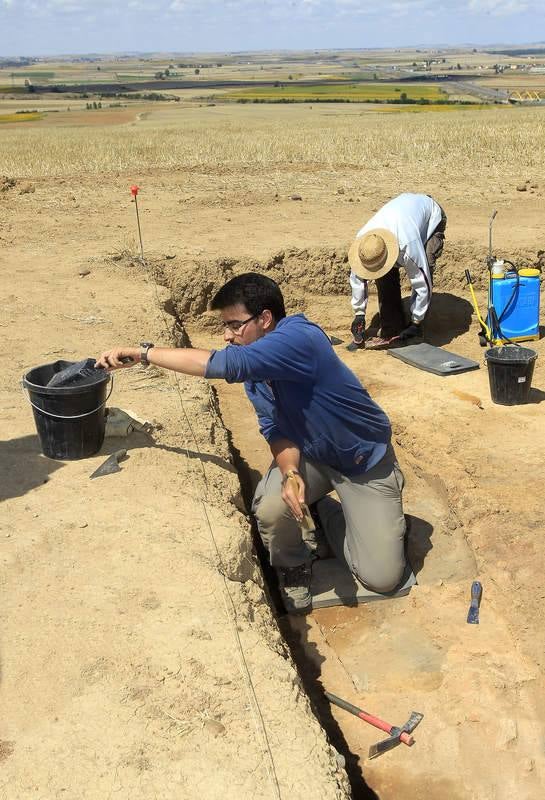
column 61, row 416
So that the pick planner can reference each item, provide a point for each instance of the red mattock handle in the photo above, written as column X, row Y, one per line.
column 134, row 190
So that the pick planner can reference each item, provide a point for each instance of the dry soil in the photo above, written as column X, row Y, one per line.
column 140, row 656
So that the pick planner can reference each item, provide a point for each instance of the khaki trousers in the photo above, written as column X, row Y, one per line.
column 366, row 529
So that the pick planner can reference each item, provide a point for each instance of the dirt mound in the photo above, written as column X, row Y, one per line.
column 305, row 274
column 457, row 257
column 299, row 273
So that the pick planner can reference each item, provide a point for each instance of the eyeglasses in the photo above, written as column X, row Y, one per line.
column 235, row 325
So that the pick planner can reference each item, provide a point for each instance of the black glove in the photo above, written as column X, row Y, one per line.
column 358, row 328
column 411, row 332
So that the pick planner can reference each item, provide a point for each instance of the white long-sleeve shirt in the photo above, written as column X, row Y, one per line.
column 412, row 218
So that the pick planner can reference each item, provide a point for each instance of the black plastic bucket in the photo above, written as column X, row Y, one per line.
column 510, row 371
column 70, row 420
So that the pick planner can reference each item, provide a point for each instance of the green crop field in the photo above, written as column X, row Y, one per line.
column 341, row 92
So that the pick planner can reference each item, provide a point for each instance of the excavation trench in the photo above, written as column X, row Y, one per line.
column 250, row 457
column 305, row 653
column 413, row 653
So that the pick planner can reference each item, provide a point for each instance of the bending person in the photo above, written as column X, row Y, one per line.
column 407, row 232
column 322, row 427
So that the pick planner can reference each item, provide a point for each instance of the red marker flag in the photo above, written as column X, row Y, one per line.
column 134, row 190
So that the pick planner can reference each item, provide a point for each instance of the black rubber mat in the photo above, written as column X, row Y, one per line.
column 433, row 359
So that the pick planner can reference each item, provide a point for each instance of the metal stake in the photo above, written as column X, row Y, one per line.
column 134, row 192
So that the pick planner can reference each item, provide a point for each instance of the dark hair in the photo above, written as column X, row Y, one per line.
column 256, row 292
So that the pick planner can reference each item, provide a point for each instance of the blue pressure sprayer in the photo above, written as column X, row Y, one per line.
column 513, row 300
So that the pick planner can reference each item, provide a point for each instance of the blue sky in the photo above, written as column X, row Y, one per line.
column 48, row 27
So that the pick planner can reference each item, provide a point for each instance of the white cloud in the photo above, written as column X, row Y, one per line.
column 327, row 9
column 500, row 7
column 265, row 8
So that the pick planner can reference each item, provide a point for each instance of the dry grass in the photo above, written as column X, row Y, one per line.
column 502, row 141
column 418, row 109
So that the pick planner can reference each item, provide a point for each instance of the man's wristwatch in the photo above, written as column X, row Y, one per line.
column 291, row 473
column 144, row 348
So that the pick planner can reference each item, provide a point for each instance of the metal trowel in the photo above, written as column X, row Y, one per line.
column 111, row 464
column 476, row 595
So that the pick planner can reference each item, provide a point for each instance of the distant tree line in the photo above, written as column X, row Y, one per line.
column 401, row 100
column 200, row 66
column 153, row 96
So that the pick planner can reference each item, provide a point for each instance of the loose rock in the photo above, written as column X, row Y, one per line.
column 214, row 727
column 6, row 183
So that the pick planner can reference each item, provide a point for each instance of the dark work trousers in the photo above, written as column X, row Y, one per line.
column 392, row 316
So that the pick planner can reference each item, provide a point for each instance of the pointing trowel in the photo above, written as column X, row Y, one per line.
column 111, row 464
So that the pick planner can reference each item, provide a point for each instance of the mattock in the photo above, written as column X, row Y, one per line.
column 397, row 734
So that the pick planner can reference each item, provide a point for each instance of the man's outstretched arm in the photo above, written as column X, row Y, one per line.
column 188, row 360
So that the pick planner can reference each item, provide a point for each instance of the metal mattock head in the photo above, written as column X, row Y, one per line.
column 395, row 736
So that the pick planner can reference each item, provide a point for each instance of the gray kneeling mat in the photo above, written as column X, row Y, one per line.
column 334, row 585
column 433, row 359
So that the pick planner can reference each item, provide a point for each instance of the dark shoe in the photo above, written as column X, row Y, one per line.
column 355, row 346
column 414, row 334
column 294, row 585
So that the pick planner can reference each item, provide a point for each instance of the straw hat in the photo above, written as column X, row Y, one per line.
column 374, row 254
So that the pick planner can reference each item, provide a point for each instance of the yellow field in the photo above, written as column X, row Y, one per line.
column 424, row 109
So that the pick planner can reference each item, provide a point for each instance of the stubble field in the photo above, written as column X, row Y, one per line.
column 500, row 143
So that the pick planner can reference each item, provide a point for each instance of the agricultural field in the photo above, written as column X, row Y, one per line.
column 145, row 622
column 233, row 137
column 21, row 116
column 345, row 92
column 428, row 77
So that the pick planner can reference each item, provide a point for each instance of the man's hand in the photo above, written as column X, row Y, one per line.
column 293, row 492
column 358, row 328
column 111, row 359
column 413, row 331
